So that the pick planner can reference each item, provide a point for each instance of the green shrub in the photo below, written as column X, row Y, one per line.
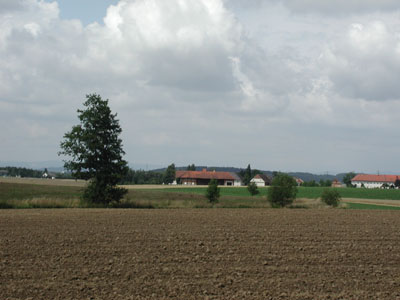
column 213, row 191
column 6, row 205
column 253, row 189
column 283, row 190
column 331, row 197
column 102, row 193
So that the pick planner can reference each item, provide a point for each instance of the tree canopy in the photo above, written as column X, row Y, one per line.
column 170, row 173
column 96, row 151
column 282, row 191
column 191, row 167
column 213, row 191
column 348, row 177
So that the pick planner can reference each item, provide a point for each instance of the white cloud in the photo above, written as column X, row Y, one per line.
column 194, row 81
column 365, row 63
column 342, row 7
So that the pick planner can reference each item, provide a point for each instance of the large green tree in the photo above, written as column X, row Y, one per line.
column 95, row 152
column 170, row 173
column 282, row 191
column 348, row 177
column 247, row 175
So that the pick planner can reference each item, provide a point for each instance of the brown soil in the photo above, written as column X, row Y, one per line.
column 199, row 254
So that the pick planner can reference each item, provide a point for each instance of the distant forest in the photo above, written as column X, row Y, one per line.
column 20, row 172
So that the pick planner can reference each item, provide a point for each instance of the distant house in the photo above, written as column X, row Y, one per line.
column 374, row 181
column 261, row 180
column 299, row 181
column 336, row 184
column 49, row 175
column 3, row 173
column 204, row 177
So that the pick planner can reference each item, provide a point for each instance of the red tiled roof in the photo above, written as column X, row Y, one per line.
column 375, row 178
column 204, row 175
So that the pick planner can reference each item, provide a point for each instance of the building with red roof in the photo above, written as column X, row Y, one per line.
column 374, row 181
column 204, row 177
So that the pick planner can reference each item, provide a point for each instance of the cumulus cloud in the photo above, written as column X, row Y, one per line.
column 199, row 78
column 365, row 63
column 178, row 44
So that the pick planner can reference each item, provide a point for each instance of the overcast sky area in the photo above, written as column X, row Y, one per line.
column 290, row 85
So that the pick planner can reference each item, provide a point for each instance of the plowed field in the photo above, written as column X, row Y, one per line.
column 199, row 254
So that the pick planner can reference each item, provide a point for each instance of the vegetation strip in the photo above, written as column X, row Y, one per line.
column 355, row 205
column 303, row 192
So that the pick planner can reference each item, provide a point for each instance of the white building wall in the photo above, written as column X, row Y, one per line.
column 258, row 181
column 237, row 183
column 370, row 184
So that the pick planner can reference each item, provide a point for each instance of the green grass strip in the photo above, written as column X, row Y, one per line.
column 371, row 206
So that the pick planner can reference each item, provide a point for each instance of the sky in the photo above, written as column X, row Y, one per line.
column 289, row 85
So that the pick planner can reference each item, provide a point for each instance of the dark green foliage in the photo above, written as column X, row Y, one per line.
column 348, row 177
column 311, row 183
column 213, row 191
column 253, row 189
column 191, row 167
column 5, row 205
column 101, row 190
column 283, row 190
column 142, row 177
column 169, row 176
column 22, row 172
column 96, row 151
column 331, row 197
column 325, row 183
column 397, row 183
column 247, row 174
column 370, row 206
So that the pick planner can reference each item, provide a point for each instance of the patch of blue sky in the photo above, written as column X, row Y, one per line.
column 88, row 11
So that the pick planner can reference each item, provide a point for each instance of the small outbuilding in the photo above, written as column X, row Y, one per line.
column 336, row 184
column 261, row 180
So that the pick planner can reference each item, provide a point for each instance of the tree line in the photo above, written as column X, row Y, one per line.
column 22, row 172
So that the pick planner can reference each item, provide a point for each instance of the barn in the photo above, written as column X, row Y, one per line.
column 374, row 181
column 204, row 177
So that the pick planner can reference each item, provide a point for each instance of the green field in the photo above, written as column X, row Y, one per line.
column 15, row 195
column 303, row 192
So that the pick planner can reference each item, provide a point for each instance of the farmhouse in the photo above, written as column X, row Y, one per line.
column 204, row 177
column 261, row 180
column 374, row 181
